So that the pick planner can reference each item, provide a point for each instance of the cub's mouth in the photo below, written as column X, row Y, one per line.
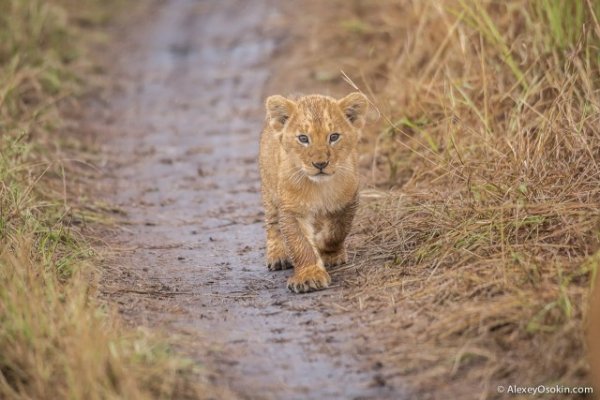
column 320, row 176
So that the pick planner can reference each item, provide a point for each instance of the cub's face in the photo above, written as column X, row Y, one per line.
column 318, row 133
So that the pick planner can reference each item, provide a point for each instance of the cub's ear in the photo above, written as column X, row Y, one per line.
column 354, row 106
column 279, row 110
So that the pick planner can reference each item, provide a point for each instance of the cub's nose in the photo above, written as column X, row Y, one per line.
column 320, row 165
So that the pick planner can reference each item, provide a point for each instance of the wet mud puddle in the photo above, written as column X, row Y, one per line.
column 183, row 153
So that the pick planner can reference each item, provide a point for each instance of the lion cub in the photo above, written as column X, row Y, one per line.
column 308, row 168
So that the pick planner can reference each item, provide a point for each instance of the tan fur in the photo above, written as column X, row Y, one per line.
column 308, row 215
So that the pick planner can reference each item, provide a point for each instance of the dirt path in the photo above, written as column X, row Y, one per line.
column 183, row 154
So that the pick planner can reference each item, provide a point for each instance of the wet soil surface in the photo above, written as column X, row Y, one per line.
column 182, row 145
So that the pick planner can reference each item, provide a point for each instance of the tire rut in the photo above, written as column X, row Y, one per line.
column 182, row 151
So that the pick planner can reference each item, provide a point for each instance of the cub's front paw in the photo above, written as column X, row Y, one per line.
column 331, row 259
column 309, row 279
column 277, row 259
column 279, row 264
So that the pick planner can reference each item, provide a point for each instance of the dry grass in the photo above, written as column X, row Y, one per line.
column 56, row 342
column 477, row 251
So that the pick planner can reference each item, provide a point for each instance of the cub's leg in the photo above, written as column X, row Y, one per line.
column 277, row 258
column 309, row 271
column 330, row 241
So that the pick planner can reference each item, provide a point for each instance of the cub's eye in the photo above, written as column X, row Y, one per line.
column 303, row 139
column 334, row 137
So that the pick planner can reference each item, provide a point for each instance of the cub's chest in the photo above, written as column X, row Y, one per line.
column 317, row 198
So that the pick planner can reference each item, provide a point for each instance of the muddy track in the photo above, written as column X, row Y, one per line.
column 182, row 148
